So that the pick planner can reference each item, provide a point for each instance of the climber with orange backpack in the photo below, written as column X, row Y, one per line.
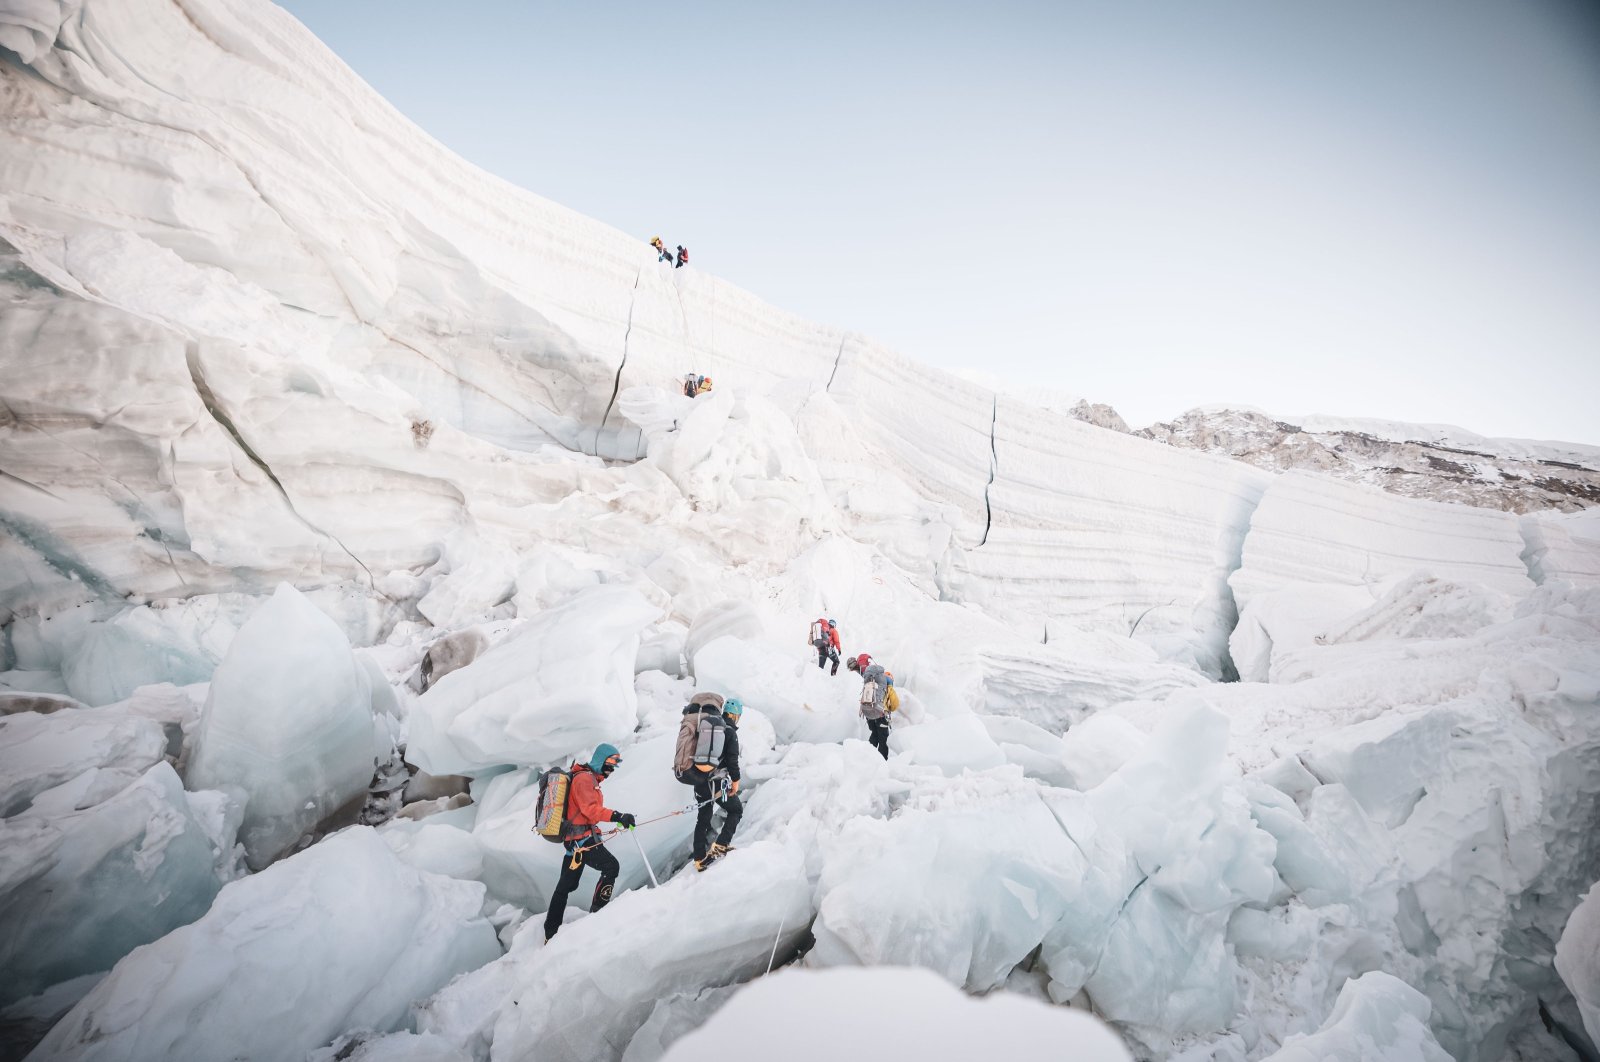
column 569, row 810
column 693, row 385
column 707, row 758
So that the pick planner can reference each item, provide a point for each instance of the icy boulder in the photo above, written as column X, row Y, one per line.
column 79, row 889
column 288, row 720
column 804, row 1015
column 1378, row 1018
column 1578, row 960
column 583, row 996
column 965, row 893
column 561, row 682
column 38, row 752
column 339, row 937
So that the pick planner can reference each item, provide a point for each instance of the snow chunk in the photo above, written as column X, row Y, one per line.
column 340, row 936
column 845, row 1017
column 561, row 682
column 1379, row 1018
column 288, row 720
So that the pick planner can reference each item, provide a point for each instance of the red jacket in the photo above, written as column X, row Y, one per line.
column 586, row 806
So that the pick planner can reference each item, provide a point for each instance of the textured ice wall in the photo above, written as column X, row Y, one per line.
column 279, row 297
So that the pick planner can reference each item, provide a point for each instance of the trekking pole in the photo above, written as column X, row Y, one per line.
column 653, row 882
column 775, row 942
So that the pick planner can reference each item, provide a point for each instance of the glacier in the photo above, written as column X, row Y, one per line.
column 1197, row 760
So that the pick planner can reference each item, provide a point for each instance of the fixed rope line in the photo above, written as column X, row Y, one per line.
column 602, row 838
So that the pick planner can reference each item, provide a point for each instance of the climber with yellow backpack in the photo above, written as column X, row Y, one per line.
column 570, row 807
column 878, row 699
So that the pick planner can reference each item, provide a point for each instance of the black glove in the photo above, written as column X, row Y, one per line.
column 623, row 819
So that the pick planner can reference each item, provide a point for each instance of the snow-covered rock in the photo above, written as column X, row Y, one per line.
column 341, row 936
column 558, row 683
column 288, row 721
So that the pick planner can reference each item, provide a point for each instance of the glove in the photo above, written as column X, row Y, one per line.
column 623, row 819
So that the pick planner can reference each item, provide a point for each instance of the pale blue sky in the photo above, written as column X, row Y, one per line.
column 1384, row 208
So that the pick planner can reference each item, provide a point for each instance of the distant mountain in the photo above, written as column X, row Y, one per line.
column 1415, row 461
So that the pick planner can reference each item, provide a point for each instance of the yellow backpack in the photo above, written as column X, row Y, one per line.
column 891, row 700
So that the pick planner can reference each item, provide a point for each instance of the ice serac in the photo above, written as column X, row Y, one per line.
column 910, row 1012
column 559, row 683
column 1170, row 853
column 285, row 961
column 102, row 864
column 1320, row 550
column 1563, row 546
column 288, row 720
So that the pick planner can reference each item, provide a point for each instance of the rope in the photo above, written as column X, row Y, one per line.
column 602, row 838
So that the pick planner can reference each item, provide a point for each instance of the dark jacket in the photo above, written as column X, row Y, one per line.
column 730, row 751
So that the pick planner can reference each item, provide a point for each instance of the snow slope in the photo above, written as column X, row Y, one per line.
column 258, row 328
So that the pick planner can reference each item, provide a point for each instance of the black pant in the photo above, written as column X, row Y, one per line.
column 572, row 865
column 878, row 734
column 704, row 790
column 824, row 652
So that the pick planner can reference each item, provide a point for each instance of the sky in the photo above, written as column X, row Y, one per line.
column 1370, row 208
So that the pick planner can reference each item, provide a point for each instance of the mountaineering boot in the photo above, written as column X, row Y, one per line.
column 716, row 853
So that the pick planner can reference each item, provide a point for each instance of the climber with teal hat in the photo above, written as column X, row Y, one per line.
column 586, row 809
column 719, row 787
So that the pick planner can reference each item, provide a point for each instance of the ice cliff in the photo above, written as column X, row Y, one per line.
column 291, row 394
